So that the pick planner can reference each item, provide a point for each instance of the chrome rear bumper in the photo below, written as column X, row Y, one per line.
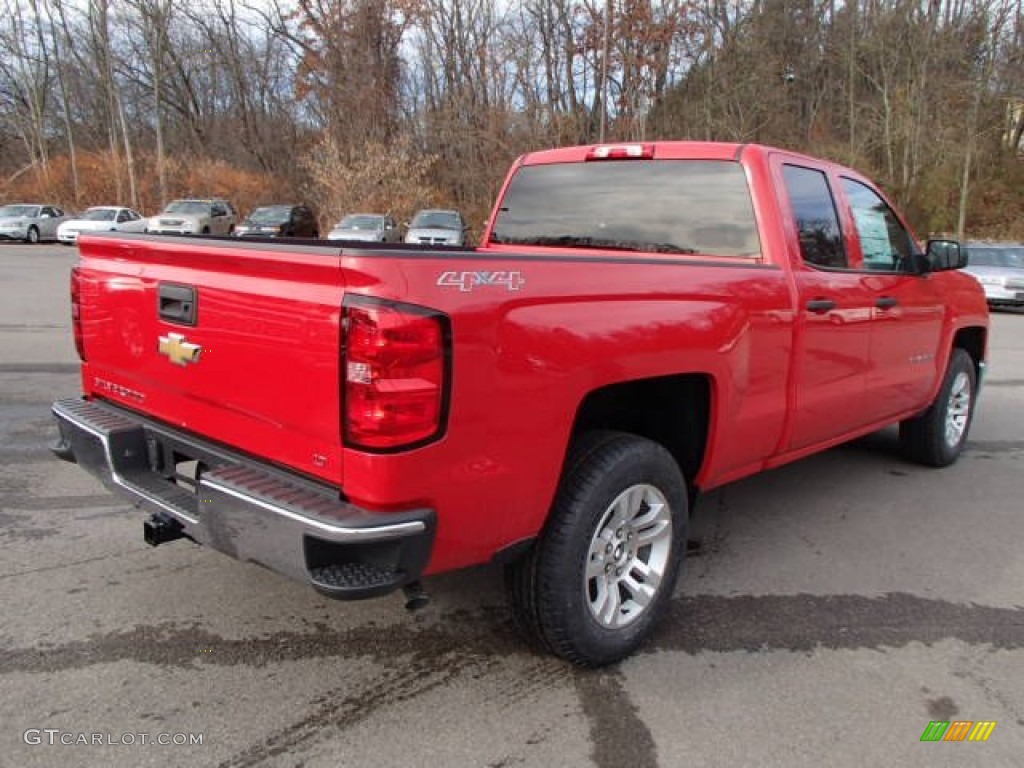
column 246, row 509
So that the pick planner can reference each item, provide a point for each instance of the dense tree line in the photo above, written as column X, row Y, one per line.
column 392, row 104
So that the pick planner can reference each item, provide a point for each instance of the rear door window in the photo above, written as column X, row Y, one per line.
column 817, row 223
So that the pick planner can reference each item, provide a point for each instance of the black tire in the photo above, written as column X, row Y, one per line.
column 551, row 596
column 32, row 236
column 206, row 231
column 925, row 438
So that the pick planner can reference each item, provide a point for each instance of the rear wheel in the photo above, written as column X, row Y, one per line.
column 32, row 236
column 937, row 437
column 601, row 574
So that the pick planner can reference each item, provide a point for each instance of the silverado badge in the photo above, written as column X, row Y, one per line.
column 179, row 351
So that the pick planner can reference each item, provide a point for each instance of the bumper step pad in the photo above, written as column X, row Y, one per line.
column 345, row 577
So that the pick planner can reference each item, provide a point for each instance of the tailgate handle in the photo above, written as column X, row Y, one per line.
column 177, row 303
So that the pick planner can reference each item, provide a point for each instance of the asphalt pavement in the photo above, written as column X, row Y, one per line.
column 833, row 609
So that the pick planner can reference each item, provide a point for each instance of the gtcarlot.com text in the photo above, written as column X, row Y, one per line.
column 56, row 737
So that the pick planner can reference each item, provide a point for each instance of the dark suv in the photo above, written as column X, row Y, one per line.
column 280, row 221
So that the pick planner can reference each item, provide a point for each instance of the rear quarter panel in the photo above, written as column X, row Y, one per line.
column 524, row 360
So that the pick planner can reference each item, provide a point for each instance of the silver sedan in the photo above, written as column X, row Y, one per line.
column 367, row 227
column 1000, row 270
column 101, row 218
column 30, row 222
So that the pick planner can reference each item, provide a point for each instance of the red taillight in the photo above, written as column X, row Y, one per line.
column 621, row 152
column 76, row 312
column 395, row 371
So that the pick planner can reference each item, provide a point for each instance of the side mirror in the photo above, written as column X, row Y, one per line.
column 944, row 255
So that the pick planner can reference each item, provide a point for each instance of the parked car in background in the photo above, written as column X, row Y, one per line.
column 367, row 227
column 999, row 267
column 30, row 222
column 280, row 221
column 435, row 226
column 195, row 216
column 101, row 218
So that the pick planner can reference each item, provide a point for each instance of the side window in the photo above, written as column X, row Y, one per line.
column 217, row 209
column 886, row 245
column 47, row 211
column 821, row 239
column 122, row 216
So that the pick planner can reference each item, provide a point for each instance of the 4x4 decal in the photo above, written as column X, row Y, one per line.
column 467, row 281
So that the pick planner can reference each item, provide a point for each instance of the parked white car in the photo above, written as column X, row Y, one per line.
column 30, row 222
column 437, row 227
column 101, row 218
column 195, row 216
column 367, row 227
column 999, row 267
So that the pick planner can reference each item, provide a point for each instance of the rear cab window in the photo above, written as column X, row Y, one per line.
column 654, row 206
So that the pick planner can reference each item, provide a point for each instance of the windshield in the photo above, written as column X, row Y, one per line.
column 361, row 221
column 996, row 257
column 17, row 211
column 99, row 214
column 187, row 206
column 436, row 220
column 659, row 206
column 271, row 214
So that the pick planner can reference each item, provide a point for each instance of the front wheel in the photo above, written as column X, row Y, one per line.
column 602, row 572
column 937, row 437
column 32, row 236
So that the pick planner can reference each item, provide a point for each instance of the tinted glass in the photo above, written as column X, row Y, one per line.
column 995, row 257
column 437, row 220
column 361, row 221
column 16, row 211
column 669, row 206
column 187, row 206
column 821, row 240
column 884, row 243
column 271, row 214
column 99, row 214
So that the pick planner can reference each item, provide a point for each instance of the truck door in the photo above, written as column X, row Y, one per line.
column 907, row 312
column 834, row 312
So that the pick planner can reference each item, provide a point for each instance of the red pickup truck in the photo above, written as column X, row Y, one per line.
column 640, row 323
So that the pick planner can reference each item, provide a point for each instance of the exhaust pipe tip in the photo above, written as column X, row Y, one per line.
column 160, row 530
column 415, row 597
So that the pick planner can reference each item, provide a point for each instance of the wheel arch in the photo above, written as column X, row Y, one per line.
column 973, row 340
column 674, row 411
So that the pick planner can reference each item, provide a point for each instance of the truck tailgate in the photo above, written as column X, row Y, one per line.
column 237, row 342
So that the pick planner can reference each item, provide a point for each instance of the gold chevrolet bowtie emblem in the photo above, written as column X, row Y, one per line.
column 179, row 351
